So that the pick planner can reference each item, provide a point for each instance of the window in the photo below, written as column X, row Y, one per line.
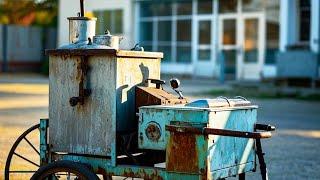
column 184, row 30
column 272, row 8
column 304, row 14
column 146, row 29
column 164, row 30
column 152, row 8
column 229, row 32
column 229, row 6
column 252, row 5
column 166, row 27
column 184, row 8
column 109, row 19
column 205, row 7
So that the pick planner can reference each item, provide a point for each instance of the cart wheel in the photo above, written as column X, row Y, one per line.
column 64, row 170
column 28, row 153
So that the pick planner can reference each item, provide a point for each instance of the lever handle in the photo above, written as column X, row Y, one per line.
column 158, row 82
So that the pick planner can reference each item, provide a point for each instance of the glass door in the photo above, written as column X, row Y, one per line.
column 228, row 54
column 204, row 47
column 241, row 45
column 252, row 46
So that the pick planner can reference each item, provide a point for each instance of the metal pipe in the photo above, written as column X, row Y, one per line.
column 82, row 8
column 221, row 132
column 263, row 166
column 243, row 134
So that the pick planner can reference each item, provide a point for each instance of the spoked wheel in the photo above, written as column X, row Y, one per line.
column 64, row 170
column 24, row 158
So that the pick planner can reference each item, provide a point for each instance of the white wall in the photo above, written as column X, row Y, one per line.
column 70, row 8
column 288, row 23
column 315, row 25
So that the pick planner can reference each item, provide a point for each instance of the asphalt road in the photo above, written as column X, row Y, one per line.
column 292, row 153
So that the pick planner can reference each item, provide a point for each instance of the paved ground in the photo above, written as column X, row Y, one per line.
column 293, row 152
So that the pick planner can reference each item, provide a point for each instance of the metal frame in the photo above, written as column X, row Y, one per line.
column 106, row 166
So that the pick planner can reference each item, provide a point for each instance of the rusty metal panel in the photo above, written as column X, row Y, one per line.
column 178, row 159
column 146, row 96
column 186, row 153
column 88, row 128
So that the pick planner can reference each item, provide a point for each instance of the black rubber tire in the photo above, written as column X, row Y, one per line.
column 78, row 169
column 14, row 147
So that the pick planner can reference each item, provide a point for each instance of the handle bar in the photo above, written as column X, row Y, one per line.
column 221, row 132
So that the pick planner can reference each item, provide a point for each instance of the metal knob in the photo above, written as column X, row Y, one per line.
column 175, row 83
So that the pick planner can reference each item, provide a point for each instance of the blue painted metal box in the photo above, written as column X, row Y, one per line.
column 218, row 156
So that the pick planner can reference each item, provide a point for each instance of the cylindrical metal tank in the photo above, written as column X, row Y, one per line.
column 81, row 28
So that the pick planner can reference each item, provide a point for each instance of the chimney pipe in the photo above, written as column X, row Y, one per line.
column 82, row 8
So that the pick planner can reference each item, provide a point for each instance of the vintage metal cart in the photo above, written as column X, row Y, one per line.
column 110, row 116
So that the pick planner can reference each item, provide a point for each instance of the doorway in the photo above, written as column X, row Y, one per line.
column 203, row 48
column 241, row 45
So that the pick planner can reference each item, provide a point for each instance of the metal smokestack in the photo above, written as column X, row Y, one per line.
column 81, row 8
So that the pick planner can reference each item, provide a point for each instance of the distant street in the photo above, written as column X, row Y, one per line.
column 293, row 152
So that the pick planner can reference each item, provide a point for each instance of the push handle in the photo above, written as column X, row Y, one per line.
column 265, row 127
column 221, row 132
column 158, row 82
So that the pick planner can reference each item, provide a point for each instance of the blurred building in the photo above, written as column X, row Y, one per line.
column 199, row 37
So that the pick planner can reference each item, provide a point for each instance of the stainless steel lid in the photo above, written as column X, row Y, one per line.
column 219, row 102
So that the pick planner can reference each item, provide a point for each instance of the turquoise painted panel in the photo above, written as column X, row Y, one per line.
column 182, row 176
column 104, row 166
column 163, row 117
column 100, row 165
column 228, row 156
column 227, row 172
column 43, row 141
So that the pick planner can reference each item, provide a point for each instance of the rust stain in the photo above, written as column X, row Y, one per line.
column 204, row 173
column 128, row 172
column 104, row 173
column 146, row 96
column 142, row 174
column 153, row 132
column 182, row 155
column 79, row 69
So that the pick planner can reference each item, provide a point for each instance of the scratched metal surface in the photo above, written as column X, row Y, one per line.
column 225, row 156
column 164, row 117
column 88, row 128
column 230, row 155
column 91, row 128
column 131, row 72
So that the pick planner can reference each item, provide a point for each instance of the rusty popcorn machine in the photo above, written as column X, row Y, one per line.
column 109, row 115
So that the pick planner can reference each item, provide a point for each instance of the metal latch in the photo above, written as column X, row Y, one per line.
column 83, row 92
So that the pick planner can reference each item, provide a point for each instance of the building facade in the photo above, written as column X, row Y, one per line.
column 240, row 38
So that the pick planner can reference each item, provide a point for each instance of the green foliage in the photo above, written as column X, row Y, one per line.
column 29, row 12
